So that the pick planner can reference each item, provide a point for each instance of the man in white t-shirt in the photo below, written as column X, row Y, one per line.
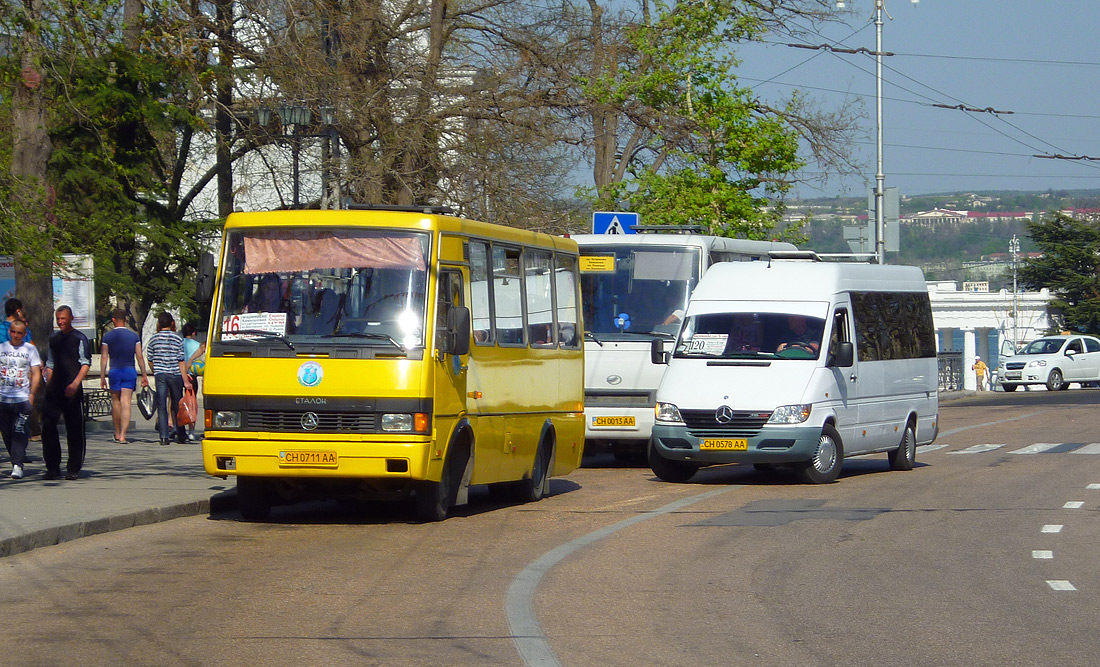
column 20, row 375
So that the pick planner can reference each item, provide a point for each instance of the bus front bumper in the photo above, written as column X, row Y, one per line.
column 773, row 444
column 254, row 456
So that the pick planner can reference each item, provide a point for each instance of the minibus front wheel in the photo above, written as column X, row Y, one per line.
column 668, row 470
column 828, row 458
column 253, row 498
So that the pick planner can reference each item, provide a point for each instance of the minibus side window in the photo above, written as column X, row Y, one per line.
column 450, row 295
column 565, row 286
column 508, row 295
column 538, row 274
column 840, row 334
column 480, row 293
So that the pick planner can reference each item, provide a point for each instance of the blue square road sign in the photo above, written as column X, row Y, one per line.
column 614, row 222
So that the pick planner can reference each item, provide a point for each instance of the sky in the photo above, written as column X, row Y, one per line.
column 1036, row 58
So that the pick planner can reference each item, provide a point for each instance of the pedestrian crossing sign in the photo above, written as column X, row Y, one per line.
column 614, row 222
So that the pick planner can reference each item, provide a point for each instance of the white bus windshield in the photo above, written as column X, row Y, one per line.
column 358, row 286
column 751, row 335
column 636, row 290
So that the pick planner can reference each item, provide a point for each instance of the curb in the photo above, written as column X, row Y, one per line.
column 225, row 501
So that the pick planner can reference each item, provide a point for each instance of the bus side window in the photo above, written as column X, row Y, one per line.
column 450, row 295
column 839, row 334
column 567, row 313
column 480, row 293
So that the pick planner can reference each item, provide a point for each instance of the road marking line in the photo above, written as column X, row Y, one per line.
column 519, row 603
column 1036, row 448
column 1051, row 528
column 1091, row 448
column 1093, row 487
column 1074, row 505
column 1039, row 553
column 1061, row 585
column 977, row 449
column 924, row 449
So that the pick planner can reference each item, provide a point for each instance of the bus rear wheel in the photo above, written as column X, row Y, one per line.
column 533, row 488
column 253, row 498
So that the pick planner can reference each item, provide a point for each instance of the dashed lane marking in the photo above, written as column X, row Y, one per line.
column 1093, row 487
column 1037, row 448
column 1061, row 585
column 1074, row 505
column 1051, row 528
column 1091, row 448
column 1042, row 554
column 924, row 449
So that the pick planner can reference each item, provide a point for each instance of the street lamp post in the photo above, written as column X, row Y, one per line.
column 880, row 176
column 1014, row 247
column 296, row 117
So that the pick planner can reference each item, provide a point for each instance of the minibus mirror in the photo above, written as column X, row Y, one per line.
column 204, row 282
column 657, row 352
column 845, row 355
column 457, row 340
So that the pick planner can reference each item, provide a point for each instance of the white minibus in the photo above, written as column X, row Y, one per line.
column 635, row 288
column 798, row 362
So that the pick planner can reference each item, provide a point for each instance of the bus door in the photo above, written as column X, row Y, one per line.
column 450, row 369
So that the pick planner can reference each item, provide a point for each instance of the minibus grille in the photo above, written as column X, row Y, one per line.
column 625, row 400
column 327, row 422
column 703, row 423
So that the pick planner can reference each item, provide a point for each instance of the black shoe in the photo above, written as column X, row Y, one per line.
column 72, row 475
column 51, row 475
column 165, row 441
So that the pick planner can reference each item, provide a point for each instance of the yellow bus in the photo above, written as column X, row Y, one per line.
column 391, row 352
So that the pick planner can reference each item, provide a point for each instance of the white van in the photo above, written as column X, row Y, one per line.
column 799, row 362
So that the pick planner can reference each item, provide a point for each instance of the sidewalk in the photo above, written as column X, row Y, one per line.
column 120, row 486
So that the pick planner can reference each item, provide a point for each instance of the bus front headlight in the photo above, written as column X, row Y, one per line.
column 404, row 422
column 667, row 412
column 790, row 414
column 227, row 419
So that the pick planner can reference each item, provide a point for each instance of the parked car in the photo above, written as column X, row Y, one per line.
column 1055, row 361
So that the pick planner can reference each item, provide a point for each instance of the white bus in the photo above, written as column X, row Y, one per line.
column 635, row 288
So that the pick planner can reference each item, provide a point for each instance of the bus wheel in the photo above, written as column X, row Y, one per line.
column 535, row 487
column 434, row 499
column 670, row 471
column 253, row 498
column 905, row 456
column 825, row 466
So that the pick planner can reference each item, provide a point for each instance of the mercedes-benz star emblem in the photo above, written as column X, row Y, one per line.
column 309, row 421
column 723, row 415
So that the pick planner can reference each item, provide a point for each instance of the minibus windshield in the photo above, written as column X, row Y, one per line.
column 345, row 286
column 632, row 290
column 751, row 335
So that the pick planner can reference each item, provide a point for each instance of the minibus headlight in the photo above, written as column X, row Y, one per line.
column 667, row 412
column 404, row 422
column 397, row 422
column 227, row 419
column 790, row 414
column 1037, row 362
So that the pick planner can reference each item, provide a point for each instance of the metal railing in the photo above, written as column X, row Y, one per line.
column 951, row 371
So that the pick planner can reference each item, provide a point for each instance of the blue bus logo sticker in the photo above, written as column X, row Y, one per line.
column 310, row 374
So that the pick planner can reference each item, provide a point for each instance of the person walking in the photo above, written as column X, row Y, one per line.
column 980, row 372
column 20, row 374
column 166, row 357
column 13, row 312
column 193, row 349
column 121, row 346
column 68, row 360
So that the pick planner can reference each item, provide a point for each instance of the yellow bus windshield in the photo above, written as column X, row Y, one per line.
column 361, row 286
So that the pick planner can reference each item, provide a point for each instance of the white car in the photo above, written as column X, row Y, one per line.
column 1055, row 361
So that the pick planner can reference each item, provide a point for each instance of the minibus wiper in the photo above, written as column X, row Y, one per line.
column 373, row 336
column 592, row 336
column 254, row 334
column 662, row 334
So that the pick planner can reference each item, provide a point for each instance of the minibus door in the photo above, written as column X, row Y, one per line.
column 843, row 363
column 450, row 368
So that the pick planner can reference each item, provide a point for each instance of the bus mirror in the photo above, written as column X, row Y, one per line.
column 845, row 355
column 204, row 282
column 657, row 352
column 458, row 331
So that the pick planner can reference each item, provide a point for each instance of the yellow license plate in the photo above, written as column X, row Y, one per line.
column 725, row 443
column 303, row 458
column 613, row 420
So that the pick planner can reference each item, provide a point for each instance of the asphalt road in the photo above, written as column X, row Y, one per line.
column 979, row 556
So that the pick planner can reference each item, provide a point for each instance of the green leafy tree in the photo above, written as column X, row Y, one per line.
column 1070, row 267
